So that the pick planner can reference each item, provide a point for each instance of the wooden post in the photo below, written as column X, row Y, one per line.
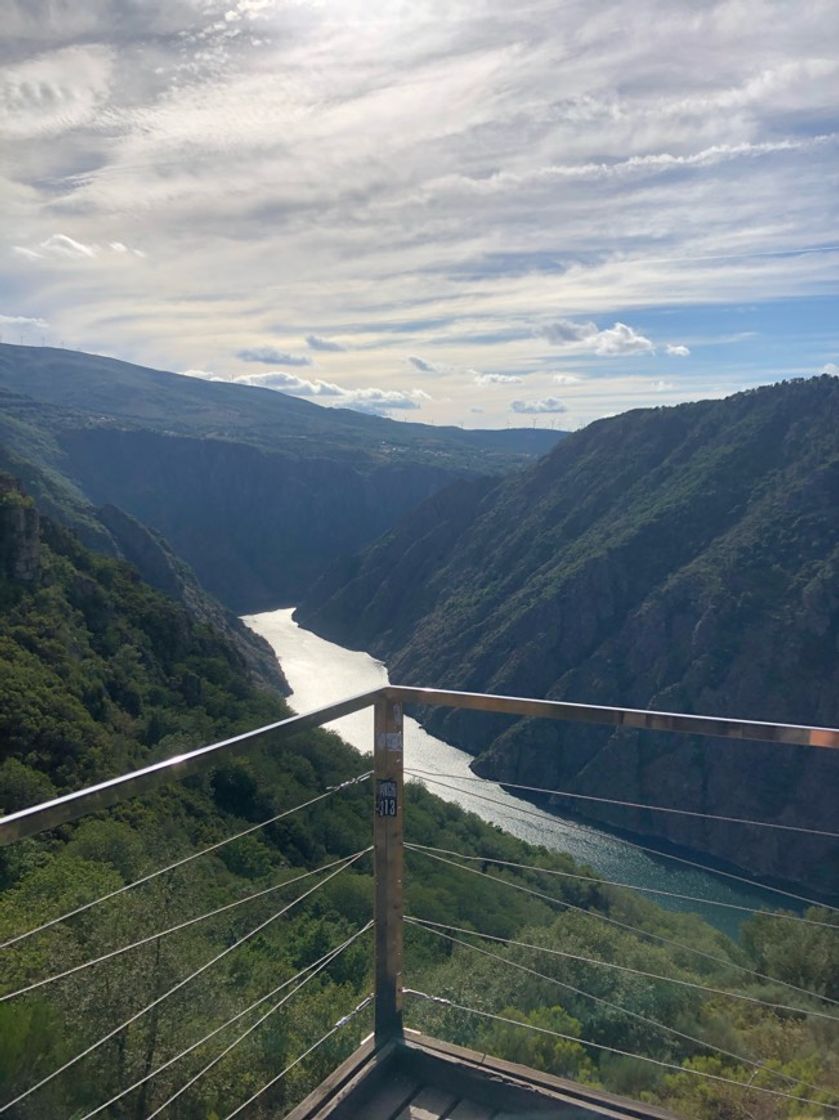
column 388, row 866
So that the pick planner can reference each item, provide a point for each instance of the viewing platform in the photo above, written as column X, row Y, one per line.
column 399, row 1073
column 421, row 1078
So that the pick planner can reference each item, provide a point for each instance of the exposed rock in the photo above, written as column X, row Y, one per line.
column 19, row 535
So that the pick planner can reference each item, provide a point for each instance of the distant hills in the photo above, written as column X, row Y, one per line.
column 257, row 490
column 678, row 558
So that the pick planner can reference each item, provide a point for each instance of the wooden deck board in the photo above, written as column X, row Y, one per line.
column 394, row 1098
column 430, row 1104
column 469, row 1110
column 423, row 1078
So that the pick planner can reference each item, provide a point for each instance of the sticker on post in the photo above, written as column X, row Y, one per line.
column 386, row 798
column 390, row 741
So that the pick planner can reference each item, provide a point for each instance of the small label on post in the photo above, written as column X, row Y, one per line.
column 386, row 798
column 390, row 740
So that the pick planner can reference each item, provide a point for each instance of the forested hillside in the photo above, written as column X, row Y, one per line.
column 257, row 490
column 680, row 559
column 101, row 673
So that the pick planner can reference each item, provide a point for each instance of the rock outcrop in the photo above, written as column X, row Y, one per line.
column 19, row 536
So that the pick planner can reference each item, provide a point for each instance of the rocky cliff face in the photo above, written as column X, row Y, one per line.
column 679, row 559
column 149, row 553
column 19, row 535
column 257, row 527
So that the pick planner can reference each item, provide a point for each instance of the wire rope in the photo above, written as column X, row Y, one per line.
column 626, row 968
column 614, row 1050
column 634, row 929
column 332, row 1030
column 181, row 983
column 327, row 958
column 182, row 862
column 754, row 1063
column 652, row 851
column 258, row 1022
column 165, row 932
column 630, row 804
column 631, row 886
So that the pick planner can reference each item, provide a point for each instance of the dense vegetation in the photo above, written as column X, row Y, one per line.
column 680, row 559
column 257, row 490
column 101, row 674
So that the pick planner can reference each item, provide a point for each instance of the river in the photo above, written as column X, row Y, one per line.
column 320, row 672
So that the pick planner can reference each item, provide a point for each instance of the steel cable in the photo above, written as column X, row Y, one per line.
column 629, row 804
column 631, row 887
column 181, row 983
column 327, row 958
column 182, row 862
column 633, row 929
column 332, row 1030
column 614, row 1050
column 626, row 968
column 165, row 932
column 650, row 851
column 755, row 1064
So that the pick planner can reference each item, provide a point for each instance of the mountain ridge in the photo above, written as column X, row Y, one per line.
column 680, row 559
column 257, row 490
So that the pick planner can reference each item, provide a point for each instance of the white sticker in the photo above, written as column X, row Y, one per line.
column 390, row 740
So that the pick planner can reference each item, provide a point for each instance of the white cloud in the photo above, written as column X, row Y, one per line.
column 61, row 247
column 292, row 384
column 566, row 379
column 497, row 379
column 24, row 322
column 585, row 337
column 315, row 342
column 676, row 351
column 380, row 402
column 121, row 247
column 383, row 401
column 534, row 407
column 271, row 356
column 621, row 339
column 831, row 368
column 638, row 165
column 54, row 92
column 662, row 386
column 426, row 186
column 424, row 366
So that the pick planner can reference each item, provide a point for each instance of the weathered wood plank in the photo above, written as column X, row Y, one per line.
column 430, row 1104
column 469, row 1110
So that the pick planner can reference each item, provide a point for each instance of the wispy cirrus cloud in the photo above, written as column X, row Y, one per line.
column 406, row 184
column 61, row 247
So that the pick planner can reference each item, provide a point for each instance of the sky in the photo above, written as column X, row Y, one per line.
column 468, row 212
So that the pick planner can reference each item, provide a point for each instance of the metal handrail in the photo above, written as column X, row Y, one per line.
column 39, row 818
column 50, row 814
column 711, row 726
